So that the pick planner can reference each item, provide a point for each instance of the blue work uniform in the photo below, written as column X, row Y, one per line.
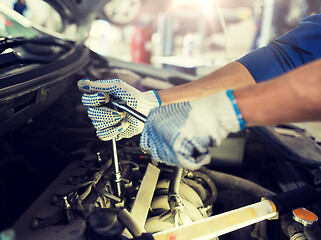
column 293, row 49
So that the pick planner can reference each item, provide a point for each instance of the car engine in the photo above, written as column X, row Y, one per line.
column 59, row 181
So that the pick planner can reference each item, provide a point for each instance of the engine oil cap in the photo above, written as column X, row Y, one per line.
column 304, row 216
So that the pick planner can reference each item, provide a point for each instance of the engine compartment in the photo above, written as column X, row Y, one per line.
column 58, row 181
column 86, row 187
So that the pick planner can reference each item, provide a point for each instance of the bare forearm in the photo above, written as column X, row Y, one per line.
column 292, row 97
column 234, row 75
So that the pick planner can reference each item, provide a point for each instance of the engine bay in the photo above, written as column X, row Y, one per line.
column 59, row 181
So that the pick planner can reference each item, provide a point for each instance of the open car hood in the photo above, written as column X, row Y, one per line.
column 79, row 12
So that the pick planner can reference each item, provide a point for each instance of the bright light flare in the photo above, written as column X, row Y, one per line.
column 99, row 28
column 207, row 6
column 204, row 4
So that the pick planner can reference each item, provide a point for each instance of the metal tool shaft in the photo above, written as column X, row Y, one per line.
column 117, row 172
column 121, row 105
column 129, row 110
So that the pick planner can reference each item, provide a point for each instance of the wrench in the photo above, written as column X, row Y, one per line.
column 121, row 105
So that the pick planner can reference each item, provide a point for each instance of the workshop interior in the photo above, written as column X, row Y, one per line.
column 58, row 180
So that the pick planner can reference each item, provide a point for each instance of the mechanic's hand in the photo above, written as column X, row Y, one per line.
column 110, row 123
column 180, row 133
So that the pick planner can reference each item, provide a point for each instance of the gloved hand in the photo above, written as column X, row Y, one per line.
column 180, row 133
column 110, row 123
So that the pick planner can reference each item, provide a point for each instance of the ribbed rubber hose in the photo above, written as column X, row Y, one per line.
column 232, row 182
column 175, row 181
column 210, row 184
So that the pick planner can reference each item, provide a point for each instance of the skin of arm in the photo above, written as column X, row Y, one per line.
column 174, row 133
column 232, row 76
column 292, row 97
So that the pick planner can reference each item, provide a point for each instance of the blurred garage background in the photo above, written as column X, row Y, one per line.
column 192, row 36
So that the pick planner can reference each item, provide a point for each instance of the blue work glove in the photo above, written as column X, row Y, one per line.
column 180, row 133
column 108, row 122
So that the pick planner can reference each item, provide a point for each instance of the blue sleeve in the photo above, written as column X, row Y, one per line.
column 295, row 48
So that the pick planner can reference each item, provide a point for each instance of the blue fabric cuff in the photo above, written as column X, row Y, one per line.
column 291, row 50
column 158, row 98
column 242, row 123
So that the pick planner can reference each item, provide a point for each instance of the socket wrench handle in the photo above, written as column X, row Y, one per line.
column 120, row 105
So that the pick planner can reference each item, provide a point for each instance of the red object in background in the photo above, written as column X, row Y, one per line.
column 141, row 45
column 172, row 237
column 7, row 22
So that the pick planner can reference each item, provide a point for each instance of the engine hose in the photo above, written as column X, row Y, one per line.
column 292, row 229
column 210, row 184
column 175, row 181
column 296, row 231
column 229, row 181
column 128, row 221
column 299, row 236
column 232, row 182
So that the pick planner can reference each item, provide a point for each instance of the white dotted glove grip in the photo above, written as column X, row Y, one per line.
column 110, row 123
column 180, row 133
